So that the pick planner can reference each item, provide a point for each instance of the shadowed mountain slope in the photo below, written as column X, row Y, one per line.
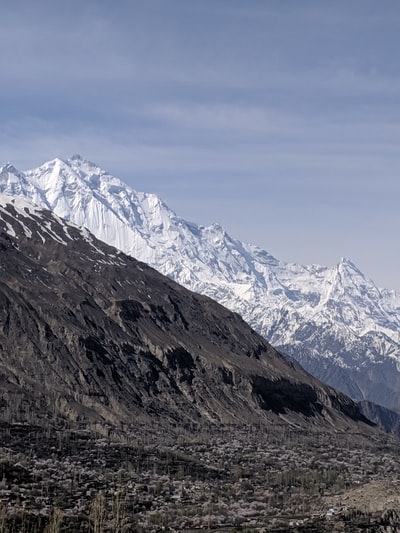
column 336, row 322
column 90, row 334
column 389, row 420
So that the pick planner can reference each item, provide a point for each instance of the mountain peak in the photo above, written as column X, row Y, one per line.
column 346, row 262
column 9, row 170
column 9, row 167
column 13, row 182
column 77, row 161
column 348, row 269
column 76, row 157
column 326, row 312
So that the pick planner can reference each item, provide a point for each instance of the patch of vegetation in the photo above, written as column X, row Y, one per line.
column 222, row 479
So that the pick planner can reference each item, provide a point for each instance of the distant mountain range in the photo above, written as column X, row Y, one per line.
column 333, row 320
column 91, row 335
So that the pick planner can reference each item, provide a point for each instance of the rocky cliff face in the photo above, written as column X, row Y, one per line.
column 333, row 320
column 90, row 334
column 389, row 420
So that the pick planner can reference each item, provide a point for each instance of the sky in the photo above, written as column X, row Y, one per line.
column 278, row 119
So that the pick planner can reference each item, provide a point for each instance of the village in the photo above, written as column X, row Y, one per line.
column 222, row 479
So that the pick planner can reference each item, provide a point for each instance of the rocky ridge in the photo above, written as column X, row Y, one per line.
column 88, row 333
column 337, row 323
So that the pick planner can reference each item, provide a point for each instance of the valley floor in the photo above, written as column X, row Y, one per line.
column 220, row 479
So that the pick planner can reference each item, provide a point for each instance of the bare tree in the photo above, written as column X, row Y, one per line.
column 97, row 514
column 56, row 519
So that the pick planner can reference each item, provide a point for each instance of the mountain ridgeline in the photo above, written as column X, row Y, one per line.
column 89, row 334
column 333, row 320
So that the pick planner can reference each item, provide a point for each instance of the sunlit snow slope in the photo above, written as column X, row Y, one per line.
column 333, row 320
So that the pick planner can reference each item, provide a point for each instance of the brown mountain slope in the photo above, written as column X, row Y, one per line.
column 90, row 334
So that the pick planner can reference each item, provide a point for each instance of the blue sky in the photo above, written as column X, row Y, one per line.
column 278, row 119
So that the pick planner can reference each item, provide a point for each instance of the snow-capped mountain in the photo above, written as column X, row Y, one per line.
column 333, row 320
